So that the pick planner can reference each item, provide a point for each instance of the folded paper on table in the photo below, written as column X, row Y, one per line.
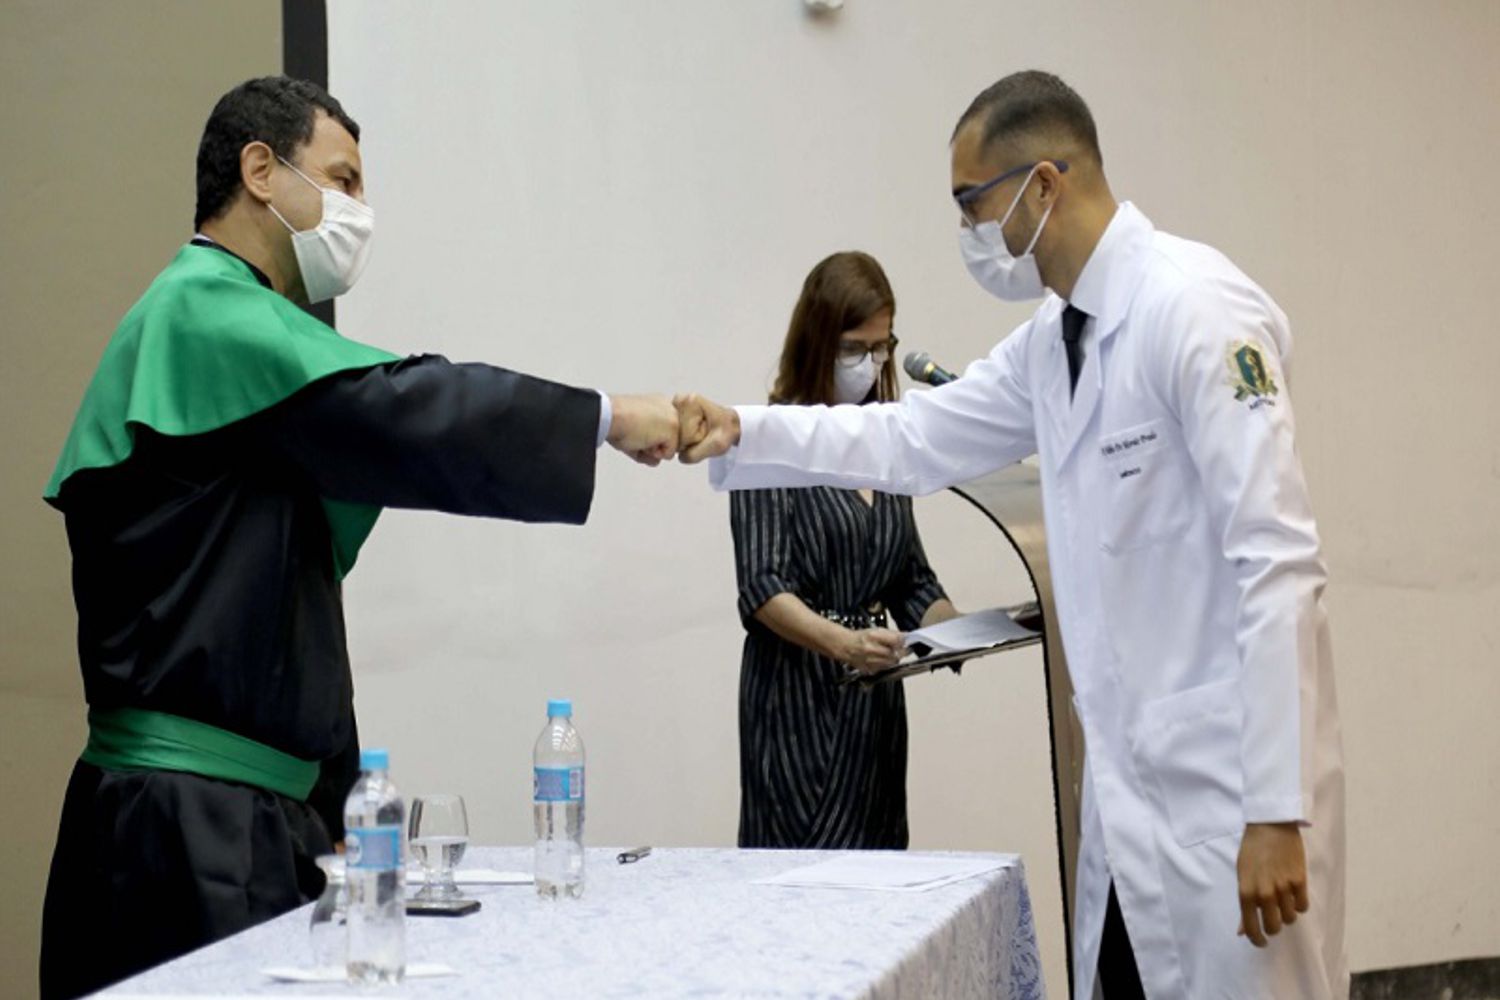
column 890, row 871
column 294, row 974
column 477, row 876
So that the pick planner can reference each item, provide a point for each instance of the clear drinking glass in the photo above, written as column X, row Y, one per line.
column 329, row 925
column 438, row 834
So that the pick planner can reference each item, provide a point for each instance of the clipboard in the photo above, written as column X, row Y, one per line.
column 1027, row 615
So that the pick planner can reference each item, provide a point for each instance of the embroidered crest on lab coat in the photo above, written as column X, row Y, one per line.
column 1248, row 376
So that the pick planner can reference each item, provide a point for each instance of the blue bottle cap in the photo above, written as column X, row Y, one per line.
column 374, row 760
column 560, row 708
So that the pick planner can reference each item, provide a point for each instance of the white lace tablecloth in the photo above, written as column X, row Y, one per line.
column 681, row 923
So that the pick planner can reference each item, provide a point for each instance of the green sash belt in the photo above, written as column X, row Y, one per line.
column 133, row 739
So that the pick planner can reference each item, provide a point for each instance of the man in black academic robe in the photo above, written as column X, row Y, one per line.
column 229, row 457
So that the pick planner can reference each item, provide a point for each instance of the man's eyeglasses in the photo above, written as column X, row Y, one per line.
column 852, row 352
column 968, row 198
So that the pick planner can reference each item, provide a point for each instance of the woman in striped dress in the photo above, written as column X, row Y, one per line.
column 824, row 765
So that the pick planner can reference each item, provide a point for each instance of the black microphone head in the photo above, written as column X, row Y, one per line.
column 918, row 365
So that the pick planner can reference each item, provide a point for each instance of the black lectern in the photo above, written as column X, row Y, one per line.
column 1012, row 500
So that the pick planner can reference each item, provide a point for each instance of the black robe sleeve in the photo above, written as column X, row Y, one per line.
column 336, row 778
column 204, row 577
column 427, row 434
column 202, row 566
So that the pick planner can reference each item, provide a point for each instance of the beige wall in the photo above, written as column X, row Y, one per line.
column 103, row 105
column 656, row 181
column 1339, row 151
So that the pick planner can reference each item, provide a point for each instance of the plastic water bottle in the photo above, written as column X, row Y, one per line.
column 375, row 861
column 557, row 804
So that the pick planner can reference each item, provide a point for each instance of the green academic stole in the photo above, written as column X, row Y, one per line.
column 205, row 347
column 134, row 739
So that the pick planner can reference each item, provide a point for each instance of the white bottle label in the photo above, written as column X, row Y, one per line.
column 558, row 784
column 373, row 848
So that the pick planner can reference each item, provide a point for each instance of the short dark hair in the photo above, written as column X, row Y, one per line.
column 842, row 292
column 1032, row 102
column 276, row 110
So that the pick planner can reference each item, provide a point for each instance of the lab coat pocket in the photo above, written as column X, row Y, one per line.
column 1190, row 741
column 1148, row 489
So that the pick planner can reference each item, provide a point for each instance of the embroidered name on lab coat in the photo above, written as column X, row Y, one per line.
column 1122, row 445
column 1131, row 444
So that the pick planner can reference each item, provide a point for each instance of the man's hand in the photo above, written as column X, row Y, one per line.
column 1273, row 879
column 707, row 429
column 644, row 427
column 869, row 649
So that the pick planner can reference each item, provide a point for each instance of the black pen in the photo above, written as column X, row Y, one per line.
column 634, row 854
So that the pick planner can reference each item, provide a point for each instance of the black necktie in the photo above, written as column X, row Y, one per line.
column 1073, row 320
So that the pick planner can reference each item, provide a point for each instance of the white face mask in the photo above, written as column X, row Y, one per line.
column 991, row 263
column 331, row 256
column 852, row 385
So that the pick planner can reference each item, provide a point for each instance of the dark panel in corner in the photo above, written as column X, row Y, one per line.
column 304, row 40
column 1475, row 979
column 304, row 54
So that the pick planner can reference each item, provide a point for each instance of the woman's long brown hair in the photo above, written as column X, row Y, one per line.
column 842, row 292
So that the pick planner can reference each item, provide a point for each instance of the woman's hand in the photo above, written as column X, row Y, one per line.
column 870, row 649
column 865, row 650
column 941, row 610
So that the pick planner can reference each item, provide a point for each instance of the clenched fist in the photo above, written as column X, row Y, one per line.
column 707, row 429
column 644, row 427
column 1273, row 879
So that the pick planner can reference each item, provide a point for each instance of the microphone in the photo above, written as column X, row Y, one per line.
column 920, row 366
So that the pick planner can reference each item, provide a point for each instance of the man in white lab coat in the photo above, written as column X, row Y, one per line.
column 1186, row 562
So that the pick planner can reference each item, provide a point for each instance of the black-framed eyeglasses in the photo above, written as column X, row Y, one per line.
column 969, row 197
column 852, row 352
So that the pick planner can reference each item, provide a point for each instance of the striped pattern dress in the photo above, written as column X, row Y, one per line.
column 823, row 765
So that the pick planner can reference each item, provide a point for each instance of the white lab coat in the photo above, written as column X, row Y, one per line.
column 1188, row 580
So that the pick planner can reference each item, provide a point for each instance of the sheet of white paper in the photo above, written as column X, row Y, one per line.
column 888, row 872
column 293, row 974
column 979, row 630
column 476, row 876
